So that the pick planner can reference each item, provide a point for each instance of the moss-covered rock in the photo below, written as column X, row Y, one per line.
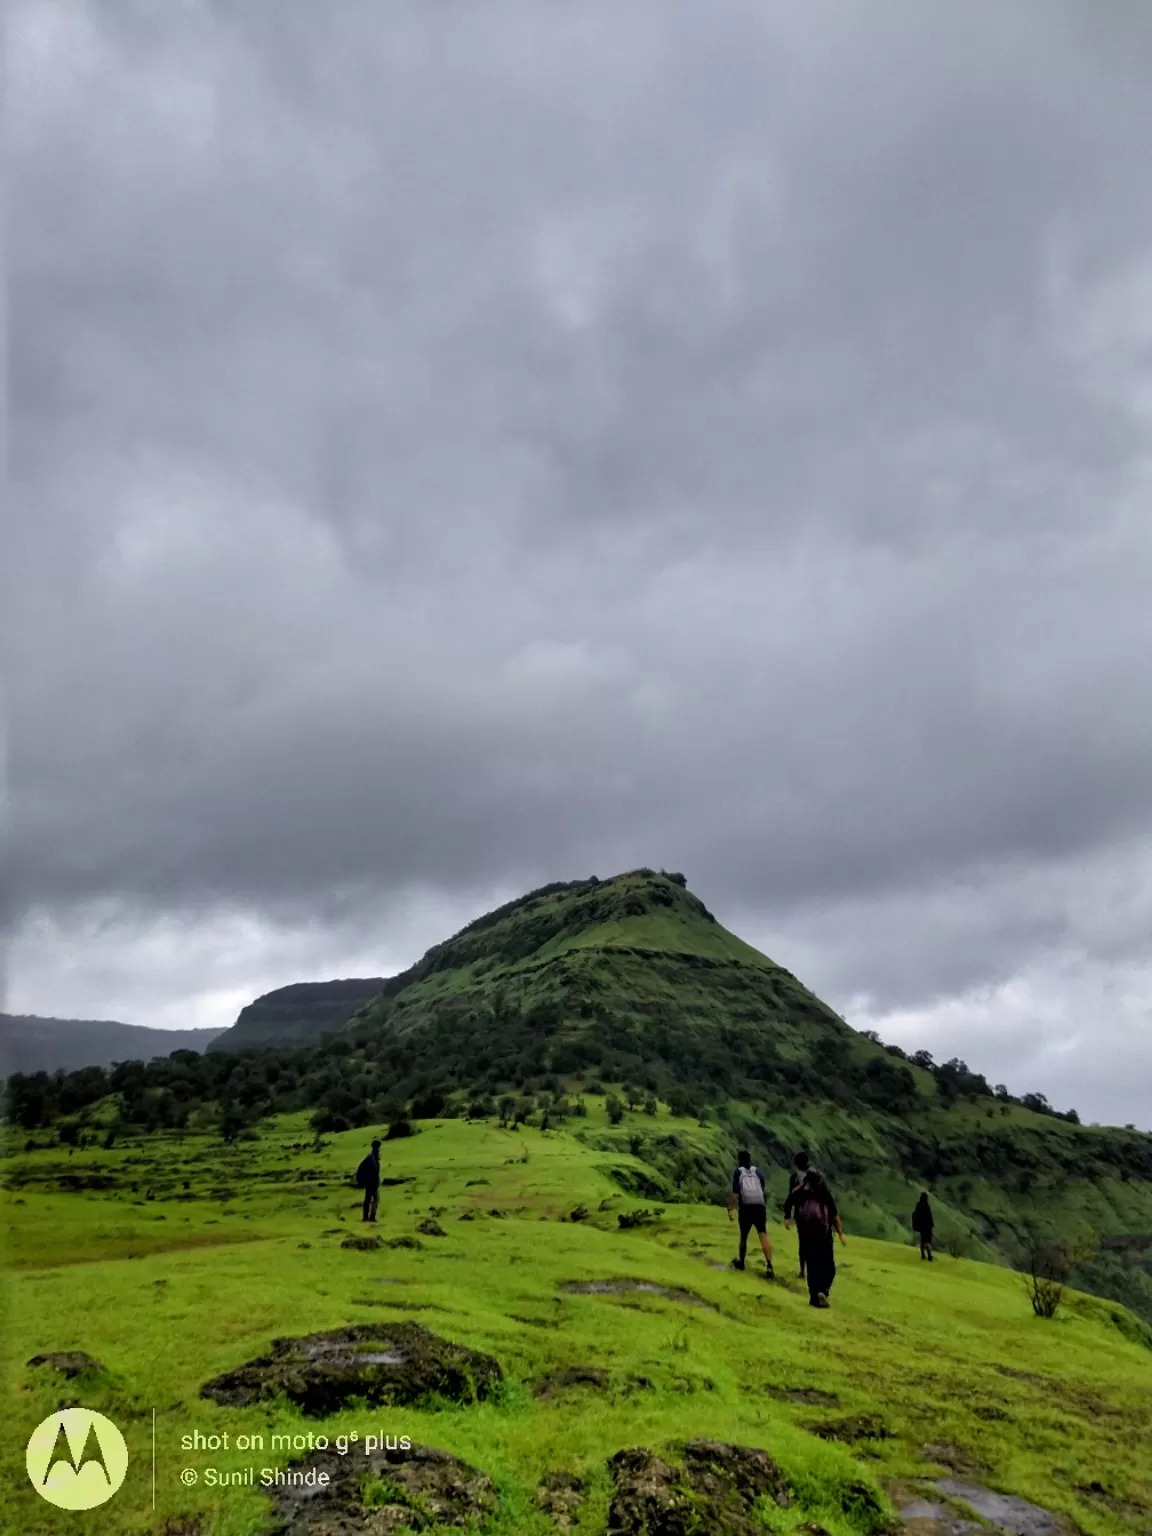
column 70, row 1363
column 560, row 1497
column 383, row 1493
column 391, row 1363
column 701, row 1486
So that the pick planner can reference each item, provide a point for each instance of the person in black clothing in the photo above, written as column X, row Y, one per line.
column 799, row 1169
column 814, row 1207
column 748, row 1193
column 368, row 1178
column 922, row 1225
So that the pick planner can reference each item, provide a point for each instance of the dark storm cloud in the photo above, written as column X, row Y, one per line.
column 501, row 444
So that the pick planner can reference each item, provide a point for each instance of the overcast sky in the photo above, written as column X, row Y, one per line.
column 459, row 446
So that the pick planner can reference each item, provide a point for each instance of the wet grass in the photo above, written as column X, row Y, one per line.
column 219, row 1249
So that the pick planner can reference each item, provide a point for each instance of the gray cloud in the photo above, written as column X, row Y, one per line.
column 506, row 445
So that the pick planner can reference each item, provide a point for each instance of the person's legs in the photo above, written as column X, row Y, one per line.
column 813, row 1278
column 803, row 1256
column 821, row 1270
column 760, row 1221
column 744, row 1217
column 371, row 1200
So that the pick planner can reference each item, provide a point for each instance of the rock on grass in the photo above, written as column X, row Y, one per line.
column 560, row 1496
column 705, row 1486
column 394, row 1363
column 556, row 1382
column 857, row 1426
column 70, row 1363
column 384, row 1493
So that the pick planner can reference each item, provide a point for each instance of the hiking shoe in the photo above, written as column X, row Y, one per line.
column 737, row 1263
column 769, row 1272
column 822, row 1300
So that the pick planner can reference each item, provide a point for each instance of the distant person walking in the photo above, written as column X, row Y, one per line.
column 748, row 1195
column 799, row 1169
column 814, row 1207
column 922, row 1225
column 368, row 1178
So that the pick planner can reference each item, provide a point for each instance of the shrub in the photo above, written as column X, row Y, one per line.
column 1048, row 1266
column 959, row 1243
column 615, row 1109
column 397, row 1129
column 641, row 1218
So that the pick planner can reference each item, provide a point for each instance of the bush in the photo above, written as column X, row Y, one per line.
column 641, row 1218
column 615, row 1109
column 580, row 1213
column 1048, row 1265
column 323, row 1120
column 397, row 1129
column 1045, row 1290
column 959, row 1244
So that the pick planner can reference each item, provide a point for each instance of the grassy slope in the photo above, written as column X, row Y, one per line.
column 169, row 1291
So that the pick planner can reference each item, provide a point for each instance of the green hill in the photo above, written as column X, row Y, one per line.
column 631, row 985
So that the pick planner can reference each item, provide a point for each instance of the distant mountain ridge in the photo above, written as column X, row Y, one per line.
column 298, row 1014
column 30, row 1043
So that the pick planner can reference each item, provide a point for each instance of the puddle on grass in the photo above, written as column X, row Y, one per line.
column 1004, row 1510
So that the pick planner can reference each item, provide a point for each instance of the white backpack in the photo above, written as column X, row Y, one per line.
column 751, row 1191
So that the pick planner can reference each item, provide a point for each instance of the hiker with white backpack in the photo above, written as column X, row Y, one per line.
column 748, row 1195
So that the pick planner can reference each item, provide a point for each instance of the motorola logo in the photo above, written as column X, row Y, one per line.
column 76, row 1459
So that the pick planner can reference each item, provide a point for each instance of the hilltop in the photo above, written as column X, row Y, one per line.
column 630, row 986
column 29, row 1043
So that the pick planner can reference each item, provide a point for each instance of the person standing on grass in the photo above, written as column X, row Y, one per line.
column 368, row 1178
column 795, row 1179
column 816, row 1219
column 748, row 1194
column 922, row 1225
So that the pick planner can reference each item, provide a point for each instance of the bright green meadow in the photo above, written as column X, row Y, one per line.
column 196, row 1254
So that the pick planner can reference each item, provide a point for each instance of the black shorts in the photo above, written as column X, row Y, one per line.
column 753, row 1218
